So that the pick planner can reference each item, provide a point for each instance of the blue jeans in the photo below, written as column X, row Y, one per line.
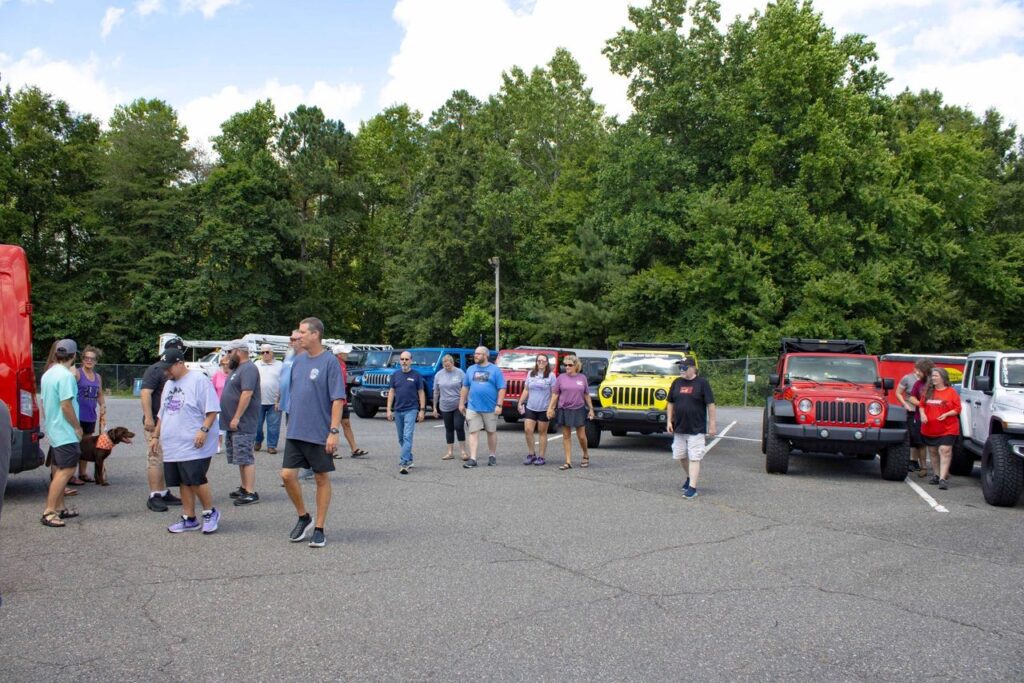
column 405, row 423
column 273, row 418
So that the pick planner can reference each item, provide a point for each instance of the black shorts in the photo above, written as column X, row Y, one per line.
column 303, row 454
column 537, row 415
column 186, row 472
column 934, row 441
column 572, row 417
column 63, row 457
column 87, row 427
column 914, row 430
column 345, row 412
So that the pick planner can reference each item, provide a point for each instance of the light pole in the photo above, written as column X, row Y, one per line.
column 496, row 263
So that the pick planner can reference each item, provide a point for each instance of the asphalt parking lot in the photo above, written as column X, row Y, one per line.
column 513, row 572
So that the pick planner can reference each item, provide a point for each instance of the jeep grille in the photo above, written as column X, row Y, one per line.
column 376, row 378
column 840, row 412
column 514, row 388
column 641, row 397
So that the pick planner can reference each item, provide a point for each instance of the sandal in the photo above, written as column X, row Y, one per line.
column 566, row 466
column 585, row 462
column 359, row 452
column 465, row 457
column 67, row 514
column 52, row 519
column 86, row 479
column 447, row 456
column 70, row 492
column 76, row 481
column 337, row 456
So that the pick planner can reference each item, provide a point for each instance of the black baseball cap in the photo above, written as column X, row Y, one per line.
column 171, row 356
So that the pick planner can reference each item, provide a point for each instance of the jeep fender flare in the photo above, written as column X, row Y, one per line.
column 780, row 407
column 896, row 414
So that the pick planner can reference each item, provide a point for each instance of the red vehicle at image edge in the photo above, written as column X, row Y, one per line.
column 17, row 377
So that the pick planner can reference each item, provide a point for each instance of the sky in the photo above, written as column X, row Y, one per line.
column 212, row 58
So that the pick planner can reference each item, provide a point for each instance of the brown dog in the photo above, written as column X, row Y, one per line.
column 96, row 448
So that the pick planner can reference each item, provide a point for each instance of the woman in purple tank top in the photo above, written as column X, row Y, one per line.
column 91, row 406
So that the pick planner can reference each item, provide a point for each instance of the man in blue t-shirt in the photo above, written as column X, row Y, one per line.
column 407, row 403
column 483, row 391
column 59, row 391
column 316, row 398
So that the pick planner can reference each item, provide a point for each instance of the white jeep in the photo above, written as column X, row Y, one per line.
column 992, row 424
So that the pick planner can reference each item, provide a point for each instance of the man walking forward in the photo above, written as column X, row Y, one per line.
column 483, row 391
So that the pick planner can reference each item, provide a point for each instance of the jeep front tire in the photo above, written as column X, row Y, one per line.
column 962, row 464
column 1002, row 472
column 362, row 410
column 895, row 462
column 776, row 449
column 593, row 431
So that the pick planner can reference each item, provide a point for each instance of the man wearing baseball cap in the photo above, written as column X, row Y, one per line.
column 690, row 414
column 239, row 412
column 153, row 381
column 59, row 390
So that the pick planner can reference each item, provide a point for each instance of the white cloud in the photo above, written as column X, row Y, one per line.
column 451, row 44
column 204, row 115
column 972, row 28
column 209, row 8
column 110, row 20
column 147, row 7
column 80, row 85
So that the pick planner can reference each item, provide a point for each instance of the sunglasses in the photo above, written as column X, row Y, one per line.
column 88, row 357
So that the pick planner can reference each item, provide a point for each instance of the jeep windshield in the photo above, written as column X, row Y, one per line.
column 1011, row 372
column 832, row 369
column 424, row 358
column 377, row 359
column 520, row 360
column 641, row 363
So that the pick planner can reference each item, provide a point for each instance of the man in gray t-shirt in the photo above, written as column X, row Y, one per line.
column 239, row 416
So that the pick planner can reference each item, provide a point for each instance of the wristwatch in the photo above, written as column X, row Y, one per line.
column 204, row 429
column 334, row 430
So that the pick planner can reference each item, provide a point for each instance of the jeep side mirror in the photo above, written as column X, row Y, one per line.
column 983, row 383
column 773, row 379
column 888, row 383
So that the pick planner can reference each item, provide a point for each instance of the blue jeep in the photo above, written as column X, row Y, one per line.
column 370, row 391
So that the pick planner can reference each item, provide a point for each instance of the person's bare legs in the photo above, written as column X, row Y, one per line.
column 323, row 497
column 581, row 436
column 693, row 472
column 933, row 452
column 205, row 496
column 528, row 428
column 945, row 458
column 473, row 439
column 154, row 466
column 188, row 500
column 542, row 448
column 346, row 429
column 685, row 464
column 290, row 477
column 492, row 443
column 567, row 444
column 248, row 475
column 55, row 494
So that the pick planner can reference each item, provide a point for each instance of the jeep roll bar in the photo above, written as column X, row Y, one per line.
column 680, row 346
column 799, row 345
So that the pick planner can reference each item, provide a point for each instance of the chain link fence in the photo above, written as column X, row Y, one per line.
column 118, row 378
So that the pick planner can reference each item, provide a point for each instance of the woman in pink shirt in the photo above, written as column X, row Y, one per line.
column 570, row 394
column 220, row 378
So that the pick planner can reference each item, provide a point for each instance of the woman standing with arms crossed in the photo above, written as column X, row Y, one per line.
column 571, row 395
column 92, row 408
column 533, row 406
column 447, row 387
column 940, row 424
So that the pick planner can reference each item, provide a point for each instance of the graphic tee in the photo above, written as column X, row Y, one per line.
column 88, row 396
column 314, row 386
column 182, row 412
column 407, row 386
column 58, row 384
column 539, row 388
column 942, row 401
column 571, row 389
column 484, row 382
column 243, row 378
column 690, row 399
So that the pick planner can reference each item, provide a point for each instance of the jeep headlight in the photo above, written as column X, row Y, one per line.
column 607, row 392
column 804, row 406
column 660, row 394
column 357, row 380
column 874, row 408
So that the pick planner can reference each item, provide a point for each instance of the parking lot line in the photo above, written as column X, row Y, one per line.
column 924, row 494
column 739, row 438
column 721, row 435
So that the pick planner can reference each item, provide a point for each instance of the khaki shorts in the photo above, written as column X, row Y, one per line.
column 154, row 453
column 476, row 421
column 688, row 447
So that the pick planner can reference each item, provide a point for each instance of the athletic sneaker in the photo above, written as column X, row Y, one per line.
column 943, row 484
column 538, row 461
column 403, row 469
column 686, row 485
column 306, row 474
column 689, row 492
column 171, row 499
column 156, row 503
column 934, row 480
column 247, row 498
column 302, row 527
column 237, row 492
column 210, row 521
column 319, row 540
column 185, row 524
column 469, row 463
column 530, row 459
column 491, row 460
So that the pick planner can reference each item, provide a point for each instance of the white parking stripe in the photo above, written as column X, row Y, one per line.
column 739, row 438
column 924, row 494
column 721, row 435
column 556, row 436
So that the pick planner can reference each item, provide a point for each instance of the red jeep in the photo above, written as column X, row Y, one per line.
column 515, row 364
column 828, row 397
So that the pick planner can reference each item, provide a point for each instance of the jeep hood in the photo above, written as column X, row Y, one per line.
column 1011, row 401
column 832, row 391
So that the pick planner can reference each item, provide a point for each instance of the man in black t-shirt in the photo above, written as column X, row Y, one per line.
column 153, row 381
column 691, row 415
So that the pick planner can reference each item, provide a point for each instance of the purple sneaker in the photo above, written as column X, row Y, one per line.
column 538, row 461
column 185, row 524
column 211, row 521
column 530, row 459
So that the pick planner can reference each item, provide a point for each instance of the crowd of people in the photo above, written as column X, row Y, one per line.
column 933, row 409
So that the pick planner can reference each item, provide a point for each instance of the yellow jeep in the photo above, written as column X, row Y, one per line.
column 632, row 397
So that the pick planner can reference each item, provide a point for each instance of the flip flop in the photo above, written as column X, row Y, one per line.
column 86, row 479
column 67, row 514
column 359, row 452
column 76, row 481
column 70, row 492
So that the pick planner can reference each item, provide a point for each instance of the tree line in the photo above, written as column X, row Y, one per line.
column 765, row 186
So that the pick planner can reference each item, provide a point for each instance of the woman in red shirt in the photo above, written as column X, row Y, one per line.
column 940, row 424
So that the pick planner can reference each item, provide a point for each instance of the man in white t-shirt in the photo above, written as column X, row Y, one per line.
column 270, row 392
column 187, row 432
